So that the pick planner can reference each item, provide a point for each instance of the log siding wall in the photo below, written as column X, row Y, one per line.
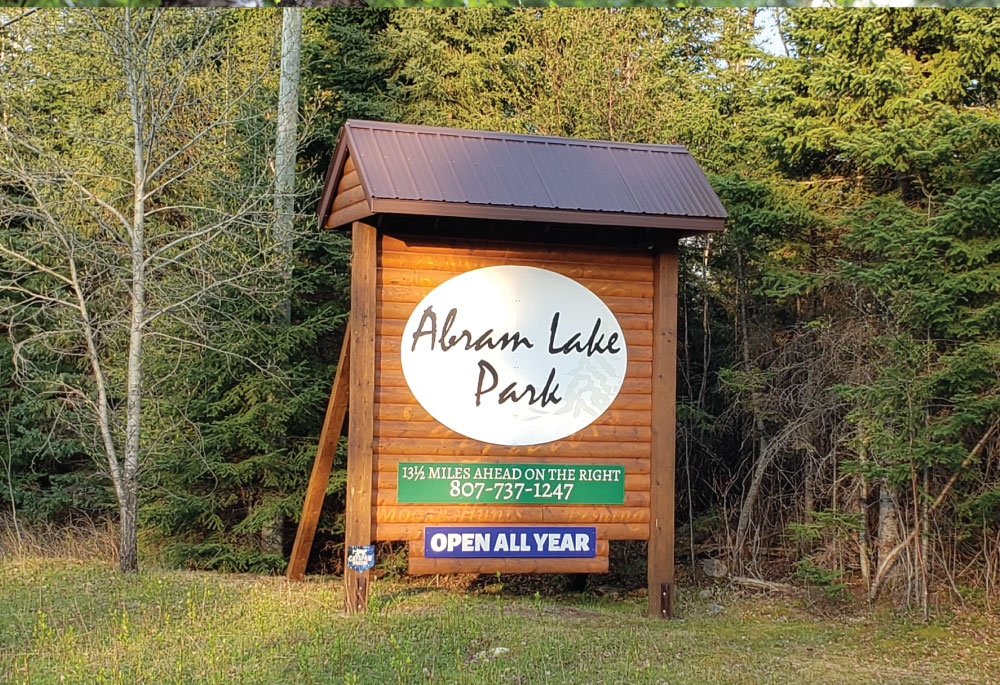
column 408, row 269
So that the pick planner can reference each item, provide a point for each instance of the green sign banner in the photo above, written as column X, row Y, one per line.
column 436, row 483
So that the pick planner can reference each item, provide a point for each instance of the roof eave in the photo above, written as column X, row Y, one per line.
column 334, row 174
column 688, row 224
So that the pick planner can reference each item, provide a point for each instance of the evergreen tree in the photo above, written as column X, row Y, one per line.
column 253, row 430
column 882, row 118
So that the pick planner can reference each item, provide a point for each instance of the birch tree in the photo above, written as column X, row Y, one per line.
column 132, row 208
column 286, row 142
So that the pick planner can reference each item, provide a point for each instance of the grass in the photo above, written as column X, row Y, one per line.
column 79, row 621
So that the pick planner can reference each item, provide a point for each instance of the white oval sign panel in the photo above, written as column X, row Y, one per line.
column 513, row 355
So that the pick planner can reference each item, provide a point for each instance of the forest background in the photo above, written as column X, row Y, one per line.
column 839, row 401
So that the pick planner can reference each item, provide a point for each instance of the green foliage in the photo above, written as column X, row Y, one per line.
column 819, row 528
column 875, row 94
column 46, row 473
column 225, row 556
column 239, row 465
column 827, row 580
column 825, row 524
column 935, row 281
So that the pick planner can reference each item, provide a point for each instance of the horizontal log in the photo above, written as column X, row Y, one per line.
column 387, row 347
column 414, row 413
column 634, row 482
column 510, row 513
column 633, row 369
column 390, row 378
column 386, row 497
column 628, row 305
column 500, row 251
column 349, row 165
column 394, row 395
column 348, row 197
column 633, row 336
column 388, row 532
column 358, row 210
column 388, row 462
column 401, row 311
column 606, row 268
column 411, row 295
column 415, row 548
column 631, row 402
column 404, row 396
column 434, row 430
column 559, row 448
column 432, row 279
column 350, row 180
column 422, row 566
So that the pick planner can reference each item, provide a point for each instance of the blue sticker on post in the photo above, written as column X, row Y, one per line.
column 509, row 541
column 360, row 558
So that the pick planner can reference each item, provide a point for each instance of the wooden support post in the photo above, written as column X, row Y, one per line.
column 660, row 574
column 362, row 409
column 333, row 422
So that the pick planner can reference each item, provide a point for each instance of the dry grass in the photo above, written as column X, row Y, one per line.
column 80, row 539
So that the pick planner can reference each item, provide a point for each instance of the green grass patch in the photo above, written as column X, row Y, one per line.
column 65, row 621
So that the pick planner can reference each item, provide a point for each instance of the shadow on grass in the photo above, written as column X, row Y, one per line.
column 384, row 600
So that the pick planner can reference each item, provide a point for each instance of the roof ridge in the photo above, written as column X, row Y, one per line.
column 675, row 148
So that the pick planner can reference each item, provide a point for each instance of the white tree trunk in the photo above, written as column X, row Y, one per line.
column 127, row 553
column 286, row 143
column 888, row 533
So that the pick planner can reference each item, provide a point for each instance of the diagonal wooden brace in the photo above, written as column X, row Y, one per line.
column 333, row 423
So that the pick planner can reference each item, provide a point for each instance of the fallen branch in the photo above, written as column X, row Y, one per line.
column 757, row 584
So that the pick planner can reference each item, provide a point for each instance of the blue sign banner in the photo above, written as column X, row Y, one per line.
column 509, row 541
column 360, row 558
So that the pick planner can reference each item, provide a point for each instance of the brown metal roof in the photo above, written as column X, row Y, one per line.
column 407, row 169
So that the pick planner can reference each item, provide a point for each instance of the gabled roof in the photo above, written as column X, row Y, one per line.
column 426, row 170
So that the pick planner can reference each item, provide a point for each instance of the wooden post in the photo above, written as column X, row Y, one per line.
column 362, row 409
column 660, row 574
column 333, row 422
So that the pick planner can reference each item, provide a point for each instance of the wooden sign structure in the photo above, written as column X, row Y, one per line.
column 510, row 361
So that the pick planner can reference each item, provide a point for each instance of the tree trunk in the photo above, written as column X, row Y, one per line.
column 763, row 453
column 888, row 528
column 808, row 483
column 864, row 553
column 286, row 142
column 923, row 549
column 706, row 329
column 128, row 554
